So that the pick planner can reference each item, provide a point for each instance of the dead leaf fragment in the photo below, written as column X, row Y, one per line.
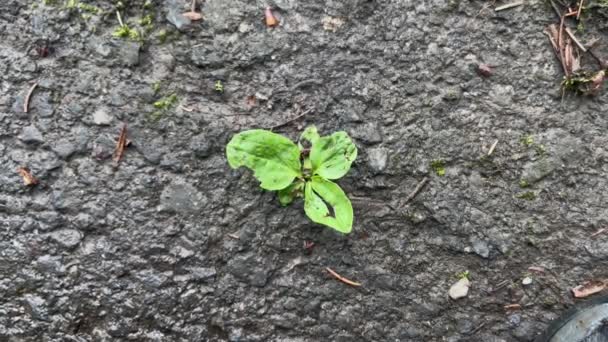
column 28, row 179
column 194, row 16
column 588, row 288
column 271, row 20
column 484, row 70
column 120, row 145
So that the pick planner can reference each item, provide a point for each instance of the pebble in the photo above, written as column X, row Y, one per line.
column 378, row 159
column 101, row 117
column 31, row 135
column 368, row 132
column 535, row 171
column 64, row 148
column 181, row 197
column 481, row 248
column 68, row 238
column 460, row 289
column 526, row 281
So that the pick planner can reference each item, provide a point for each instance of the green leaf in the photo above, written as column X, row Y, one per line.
column 310, row 134
column 331, row 156
column 287, row 195
column 318, row 193
column 274, row 159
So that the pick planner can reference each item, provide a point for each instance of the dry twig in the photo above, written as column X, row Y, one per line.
column 290, row 120
column 234, row 236
column 417, row 189
column 507, row 6
column 603, row 230
column 492, row 148
column 341, row 278
column 512, row 306
column 26, row 103
column 120, row 145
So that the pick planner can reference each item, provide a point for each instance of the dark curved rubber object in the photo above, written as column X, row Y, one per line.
column 554, row 329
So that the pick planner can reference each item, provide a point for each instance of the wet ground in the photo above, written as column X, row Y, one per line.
column 173, row 245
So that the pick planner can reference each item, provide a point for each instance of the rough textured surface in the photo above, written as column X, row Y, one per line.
column 147, row 251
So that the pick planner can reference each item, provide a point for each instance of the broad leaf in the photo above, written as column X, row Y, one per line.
column 319, row 193
column 331, row 156
column 274, row 159
column 287, row 195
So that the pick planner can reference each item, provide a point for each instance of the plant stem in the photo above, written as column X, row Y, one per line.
column 119, row 19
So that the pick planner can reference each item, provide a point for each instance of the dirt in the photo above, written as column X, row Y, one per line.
column 170, row 244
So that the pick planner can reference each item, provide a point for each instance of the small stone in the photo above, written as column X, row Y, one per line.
column 101, row 117
column 37, row 306
column 202, row 273
column 177, row 19
column 201, row 145
column 526, row 281
column 64, row 148
column 460, row 289
column 249, row 269
column 368, row 132
column 378, row 159
column 481, row 248
column 181, row 197
column 535, row 171
column 68, row 238
column 31, row 135
column 127, row 53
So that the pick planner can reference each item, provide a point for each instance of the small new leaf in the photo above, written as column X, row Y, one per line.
column 319, row 193
column 310, row 134
column 287, row 195
column 274, row 159
column 331, row 156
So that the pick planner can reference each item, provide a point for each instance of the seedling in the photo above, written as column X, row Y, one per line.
column 297, row 171
column 219, row 87
column 463, row 275
column 124, row 31
column 526, row 140
column 166, row 102
column 439, row 167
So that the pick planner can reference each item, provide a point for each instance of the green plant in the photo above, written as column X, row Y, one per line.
column 526, row 140
column 166, row 102
column 219, row 87
column 439, row 166
column 156, row 87
column 124, row 31
column 297, row 171
column 463, row 275
column 528, row 195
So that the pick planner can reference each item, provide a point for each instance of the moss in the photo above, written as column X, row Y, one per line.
column 528, row 195
column 71, row 4
column 526, row 140
column 127, row 32
column 166, row 102
column 156, row 86
column 89, row 8
column 162, row 36
column 146, row 20
column 438, row 166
